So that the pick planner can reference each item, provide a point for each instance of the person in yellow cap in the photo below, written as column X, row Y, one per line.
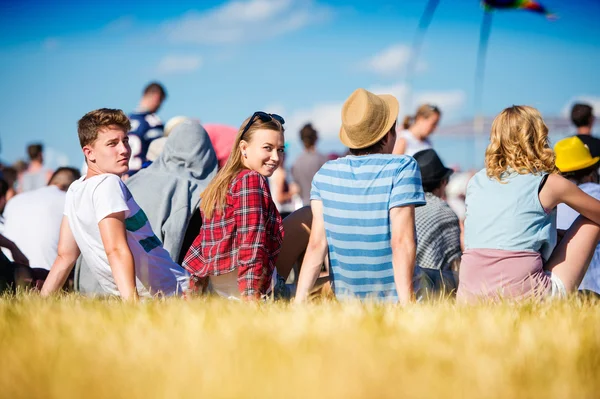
column 575, row 162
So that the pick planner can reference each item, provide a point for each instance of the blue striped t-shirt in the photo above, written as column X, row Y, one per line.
column 357, row 194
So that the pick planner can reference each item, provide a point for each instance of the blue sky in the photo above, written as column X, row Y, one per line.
column 221, row 61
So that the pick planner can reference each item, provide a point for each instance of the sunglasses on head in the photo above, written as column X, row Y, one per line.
column 433, row 108
column 263, row 116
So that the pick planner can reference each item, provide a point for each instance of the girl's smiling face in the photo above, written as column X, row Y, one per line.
column 264, row 152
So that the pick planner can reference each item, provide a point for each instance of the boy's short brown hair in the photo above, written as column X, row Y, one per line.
column 93, row 121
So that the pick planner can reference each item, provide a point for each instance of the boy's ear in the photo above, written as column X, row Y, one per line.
column 88, row 153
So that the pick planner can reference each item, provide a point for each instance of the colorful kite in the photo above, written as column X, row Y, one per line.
column 529, row 5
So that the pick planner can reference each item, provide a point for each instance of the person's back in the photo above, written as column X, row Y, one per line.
column 357, row 193
column 308, row 163
column 169, row 189
column 36, row 176
column 32, row 221
column 508, row 237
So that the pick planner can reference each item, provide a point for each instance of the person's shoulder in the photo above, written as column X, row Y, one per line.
column 249, row 177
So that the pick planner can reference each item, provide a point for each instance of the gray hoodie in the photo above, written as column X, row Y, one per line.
column 169, row 190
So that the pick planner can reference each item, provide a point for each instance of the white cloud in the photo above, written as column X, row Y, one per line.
column 245, row 20
column 171, row 64
column 594, row 101
column 392, row 61
column 326, row 117
column 51, row 44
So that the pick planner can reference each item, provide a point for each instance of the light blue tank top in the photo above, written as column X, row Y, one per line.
column 508, row 215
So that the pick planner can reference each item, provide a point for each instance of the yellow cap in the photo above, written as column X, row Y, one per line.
column 572, row 155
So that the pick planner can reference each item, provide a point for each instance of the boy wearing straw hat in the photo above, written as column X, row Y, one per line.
column 363, row 209
column 575, row 162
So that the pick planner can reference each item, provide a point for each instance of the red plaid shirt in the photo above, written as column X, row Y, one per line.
column 247, row 236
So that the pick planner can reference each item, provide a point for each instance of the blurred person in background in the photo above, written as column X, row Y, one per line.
column 582, row 116
column 575, row 162
column 284, row 193
column 417, row 129
column 240, row 239
column 222, row 138
column 146, row 126
column 33, row 218
column 36, row 176
column 438, row 229
column 308, row 163
column 156, row 146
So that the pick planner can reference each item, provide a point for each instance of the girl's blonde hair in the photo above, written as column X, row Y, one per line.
column 519, row 140
column 424, row 111
column 214, row 197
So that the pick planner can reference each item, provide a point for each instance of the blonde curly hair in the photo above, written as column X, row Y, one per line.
column 519, row 140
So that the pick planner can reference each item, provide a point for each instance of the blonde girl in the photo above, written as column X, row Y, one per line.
column 511, row 246
column 417, row 129
column 235, row 251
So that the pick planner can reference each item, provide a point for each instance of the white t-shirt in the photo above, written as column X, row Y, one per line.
column 87, row 203
column 33, row 223
column 413, row 144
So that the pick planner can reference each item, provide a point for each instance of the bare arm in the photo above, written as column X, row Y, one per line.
column 560, row 190
column 67, row 255
column 120, row 259
column 18, row 256
column 315, row 253
column 400, row 146
column 403, row 250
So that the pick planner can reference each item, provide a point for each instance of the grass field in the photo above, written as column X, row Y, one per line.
column 71, row 347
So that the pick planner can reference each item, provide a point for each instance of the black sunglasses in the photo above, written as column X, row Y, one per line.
column 263, row 116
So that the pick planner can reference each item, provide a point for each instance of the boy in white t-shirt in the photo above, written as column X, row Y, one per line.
column 104, row 224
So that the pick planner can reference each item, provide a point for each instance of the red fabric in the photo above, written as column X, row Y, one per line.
column 222, row 138
column 247, row 236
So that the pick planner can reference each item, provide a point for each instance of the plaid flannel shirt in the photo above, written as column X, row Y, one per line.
column 246, row 236
column 438, row 234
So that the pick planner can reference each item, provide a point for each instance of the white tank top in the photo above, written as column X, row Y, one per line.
column 413, row 144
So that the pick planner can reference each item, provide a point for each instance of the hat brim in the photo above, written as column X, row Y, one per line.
column 579, row 166
column 445, row 175
column 394, row 108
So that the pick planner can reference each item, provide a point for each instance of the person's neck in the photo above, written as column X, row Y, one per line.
column 310, row 149
column 35, row 165
column 416, row 132
column 437, row 192
column 585, row 130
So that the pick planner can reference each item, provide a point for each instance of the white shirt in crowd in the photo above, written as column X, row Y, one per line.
column 32, row 222
column 564, row 219
column 91, row 200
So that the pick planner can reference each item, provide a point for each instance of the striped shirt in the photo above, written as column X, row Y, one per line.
column 357, row 193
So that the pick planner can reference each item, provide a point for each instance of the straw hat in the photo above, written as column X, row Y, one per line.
column 572, row 155
column 366, row 118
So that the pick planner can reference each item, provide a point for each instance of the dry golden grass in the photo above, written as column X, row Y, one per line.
column 71, row 347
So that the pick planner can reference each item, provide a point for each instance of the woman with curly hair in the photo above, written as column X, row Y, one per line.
column 510, row 227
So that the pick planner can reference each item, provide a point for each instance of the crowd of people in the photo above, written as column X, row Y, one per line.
column 185, row 209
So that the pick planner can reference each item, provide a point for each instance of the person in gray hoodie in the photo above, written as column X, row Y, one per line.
column 169, row 190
